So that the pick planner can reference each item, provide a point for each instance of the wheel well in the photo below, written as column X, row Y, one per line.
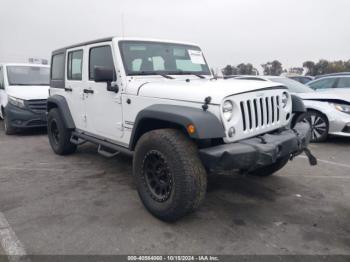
column 148, row 124
column 51, row 105
column 319, row 112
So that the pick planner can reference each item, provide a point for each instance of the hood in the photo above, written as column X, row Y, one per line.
column 324, row 96
column 29, row 92
column 198, row 90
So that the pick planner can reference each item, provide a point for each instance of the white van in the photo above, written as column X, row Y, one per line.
column 23, row 95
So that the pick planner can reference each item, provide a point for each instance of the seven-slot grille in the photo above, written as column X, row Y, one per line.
column 260, row 112
column 38, row 105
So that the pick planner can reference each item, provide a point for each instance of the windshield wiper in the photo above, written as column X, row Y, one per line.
column 148, row 73
column 188, row 73
column 198, row 75
column 165, row 76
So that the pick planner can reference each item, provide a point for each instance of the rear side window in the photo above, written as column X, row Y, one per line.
column 2, row 85
column 100, row 56
column 344, row 82
column 75, row 65
column 323, row 83
column 57, row 67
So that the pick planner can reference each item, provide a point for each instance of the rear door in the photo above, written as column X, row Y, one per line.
column 343, row 82
column 2, row 90
column 74, row 85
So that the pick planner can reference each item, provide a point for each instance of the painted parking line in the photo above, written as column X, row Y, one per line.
column 12, row 246
column 329, row 162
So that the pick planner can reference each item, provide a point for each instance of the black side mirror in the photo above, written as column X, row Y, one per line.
column 105, row 74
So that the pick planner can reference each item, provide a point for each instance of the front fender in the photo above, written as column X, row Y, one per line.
column 207, row 124
column 58, row 101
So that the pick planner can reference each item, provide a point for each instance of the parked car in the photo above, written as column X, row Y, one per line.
column 158, row 101
column 23, row 95
column 333, row 74
column 335, row 83
column 302, row 79
column 328, row 113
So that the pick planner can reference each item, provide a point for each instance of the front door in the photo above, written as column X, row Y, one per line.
column 103, row 108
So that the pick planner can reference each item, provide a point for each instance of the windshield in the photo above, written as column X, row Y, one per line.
column 153, row 58
column 28, row 75
column 293, row 86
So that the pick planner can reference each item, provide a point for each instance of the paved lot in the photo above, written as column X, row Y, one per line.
column 87, row 204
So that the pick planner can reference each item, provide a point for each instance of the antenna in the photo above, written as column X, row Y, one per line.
column 122, row 18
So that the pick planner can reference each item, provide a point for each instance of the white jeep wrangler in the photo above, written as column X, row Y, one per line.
column 158, row 101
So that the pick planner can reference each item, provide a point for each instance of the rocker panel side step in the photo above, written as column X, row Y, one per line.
column 102, row 143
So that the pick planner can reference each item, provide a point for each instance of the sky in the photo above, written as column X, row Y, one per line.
column 229, row 31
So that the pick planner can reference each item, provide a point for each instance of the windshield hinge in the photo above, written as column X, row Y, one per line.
column 207, row 101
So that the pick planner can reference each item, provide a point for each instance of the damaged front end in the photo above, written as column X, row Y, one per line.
column 260, row 151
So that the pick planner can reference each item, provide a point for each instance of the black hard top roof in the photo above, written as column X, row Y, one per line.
column 62, row 50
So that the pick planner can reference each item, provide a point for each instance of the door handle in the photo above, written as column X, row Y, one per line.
column 88, row 91
column 68, row 89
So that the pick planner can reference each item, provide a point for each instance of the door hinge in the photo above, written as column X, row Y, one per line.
column 120, row 126
column 118, row 99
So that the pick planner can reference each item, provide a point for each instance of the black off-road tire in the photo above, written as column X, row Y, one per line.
column 271, row 169
column 319, row 125
column 9, row 129
column 59, row 135
column 178, row 167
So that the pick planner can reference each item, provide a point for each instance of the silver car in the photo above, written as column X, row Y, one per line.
column 328, row 112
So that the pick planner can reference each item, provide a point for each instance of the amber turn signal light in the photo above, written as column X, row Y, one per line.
column 191, row 129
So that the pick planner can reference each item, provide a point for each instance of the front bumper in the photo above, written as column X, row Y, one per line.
column 24, row 117
column 257, row 152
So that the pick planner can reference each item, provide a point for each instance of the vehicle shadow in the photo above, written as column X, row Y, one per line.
column 25, row 132
column 336, row 140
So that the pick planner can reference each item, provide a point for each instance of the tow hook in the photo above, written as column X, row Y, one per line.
column 310, row 156
column 312, row 159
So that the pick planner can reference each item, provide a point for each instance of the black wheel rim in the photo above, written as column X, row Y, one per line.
column 55, row 134
column 318, row 126
column 157, row 176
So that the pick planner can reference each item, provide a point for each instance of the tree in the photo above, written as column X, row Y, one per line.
column 247, row 69
column 310, row 66
column 326, row 67
column 296, row 70
column 241, row 69
column 227, row 70
column 273, row 68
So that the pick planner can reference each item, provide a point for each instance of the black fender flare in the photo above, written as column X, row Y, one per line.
column 298, row 105
column 58, row 101
column 207, row 125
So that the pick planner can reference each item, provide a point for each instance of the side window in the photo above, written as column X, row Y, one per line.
column 75, row 65
column 323, row 83
column 2, row 85
column 100, row 56
column 344, row 82
column 57, row 67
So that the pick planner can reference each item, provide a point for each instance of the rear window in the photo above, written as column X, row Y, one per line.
column 75, row 65
column 57, row 67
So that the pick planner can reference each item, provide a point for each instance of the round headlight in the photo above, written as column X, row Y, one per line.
column 285, row 98
column 227, row 110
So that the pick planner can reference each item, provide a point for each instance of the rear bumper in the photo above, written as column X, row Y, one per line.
column 24, row 117
column 257, row 152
